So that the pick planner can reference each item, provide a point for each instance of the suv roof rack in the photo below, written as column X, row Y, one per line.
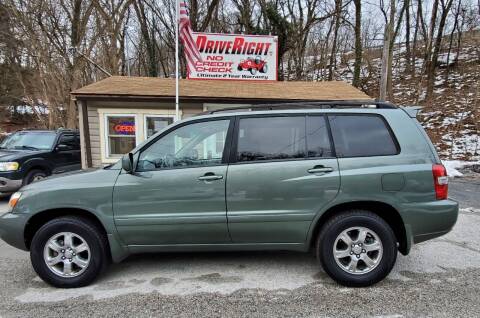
column 307, row 105
column 62, row 129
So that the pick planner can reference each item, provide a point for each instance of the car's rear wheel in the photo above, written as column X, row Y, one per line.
column 253, row 71
column 34, row 175
column 357, row 248
column 69, row 252
column 264, row 69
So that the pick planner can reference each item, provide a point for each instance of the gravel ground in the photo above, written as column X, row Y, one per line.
column 438, row 279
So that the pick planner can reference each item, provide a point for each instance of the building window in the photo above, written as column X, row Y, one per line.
column 121, row 134
column 154, row 124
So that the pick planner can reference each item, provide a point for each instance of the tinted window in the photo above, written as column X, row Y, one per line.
column 197, row 144
column 318, row 141
column 361, row 136
column 270, row 138
column 71, row 141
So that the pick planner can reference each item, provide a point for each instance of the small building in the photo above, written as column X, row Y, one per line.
column 118, row 113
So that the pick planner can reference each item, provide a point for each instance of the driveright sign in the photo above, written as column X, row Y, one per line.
column 235, row 57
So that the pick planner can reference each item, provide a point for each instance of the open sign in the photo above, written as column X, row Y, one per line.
column 125, row 128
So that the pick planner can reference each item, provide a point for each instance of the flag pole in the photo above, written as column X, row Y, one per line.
column 177, row 110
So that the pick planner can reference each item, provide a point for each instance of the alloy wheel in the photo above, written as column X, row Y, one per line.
column 67, row 254
column 358, row 250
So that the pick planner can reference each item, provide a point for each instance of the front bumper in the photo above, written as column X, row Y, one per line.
column 9, row 185
column 12, row 227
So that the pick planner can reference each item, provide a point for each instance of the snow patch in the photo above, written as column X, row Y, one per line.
column 453, row 166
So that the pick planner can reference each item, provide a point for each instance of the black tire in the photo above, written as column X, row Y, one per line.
column 93, row 236
column 239, row 68
column 253, row 71
column 34, row 174
column 264, row 69
column 346, row 220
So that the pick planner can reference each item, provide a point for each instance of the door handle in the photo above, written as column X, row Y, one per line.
column 320, row 169
column 210, row 177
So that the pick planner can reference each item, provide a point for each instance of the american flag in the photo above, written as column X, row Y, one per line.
column 185, row 32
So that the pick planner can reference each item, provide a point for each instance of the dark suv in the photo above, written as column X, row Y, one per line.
column 31, row 155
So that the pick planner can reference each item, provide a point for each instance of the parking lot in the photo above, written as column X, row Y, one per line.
column 438, row 279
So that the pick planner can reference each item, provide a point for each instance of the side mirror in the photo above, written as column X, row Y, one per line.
column 127, row 162
column 62, row 147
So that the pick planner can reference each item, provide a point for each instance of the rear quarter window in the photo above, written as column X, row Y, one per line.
column 362, row 136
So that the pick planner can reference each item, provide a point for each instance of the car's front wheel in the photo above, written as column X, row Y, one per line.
column 69, row 252
column 34, row 175
column 357, row 248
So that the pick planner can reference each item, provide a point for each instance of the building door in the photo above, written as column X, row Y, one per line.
column 177, row 193
column 283, row 173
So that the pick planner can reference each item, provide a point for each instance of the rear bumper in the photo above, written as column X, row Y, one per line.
column 9, row 185
column 428, row 220
column 12, row 227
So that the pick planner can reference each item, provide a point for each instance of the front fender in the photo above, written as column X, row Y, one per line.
column 37, row 162
column 88, row 191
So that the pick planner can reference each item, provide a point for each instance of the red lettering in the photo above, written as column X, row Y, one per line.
column 214, row 58
column 250, row 49
column 201, row 39
column 237, row 45
column 209, row 46
column 267, row 47
column 259, row 48
column 227, row 49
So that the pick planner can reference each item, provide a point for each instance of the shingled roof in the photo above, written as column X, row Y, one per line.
column 164, row 88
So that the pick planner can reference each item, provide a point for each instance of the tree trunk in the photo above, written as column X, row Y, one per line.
column 428, row 47
column 455, row 27
column 383, row 77
column 436, row 49
column 148, row 38
column 74, row 66
column 415, row 36
column 408, row 54
column 391, row 38
column 333, row 55
column 358, row 43
column 459, row 39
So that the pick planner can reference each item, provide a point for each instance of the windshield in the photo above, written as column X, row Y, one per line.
column 29, row 140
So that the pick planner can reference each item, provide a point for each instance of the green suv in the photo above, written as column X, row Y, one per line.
column 354, row 181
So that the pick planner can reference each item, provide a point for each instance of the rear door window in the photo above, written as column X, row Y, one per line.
column 318, row 140
column 362, row 136
column 271, row 138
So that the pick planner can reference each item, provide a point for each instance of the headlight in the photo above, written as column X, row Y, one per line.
column 14, row 200
column 9, row 166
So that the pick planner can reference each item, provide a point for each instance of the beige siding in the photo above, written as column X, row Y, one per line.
column 83, row 147
column 93, row 125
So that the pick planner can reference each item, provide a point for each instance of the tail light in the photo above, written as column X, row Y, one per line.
column 440, row 180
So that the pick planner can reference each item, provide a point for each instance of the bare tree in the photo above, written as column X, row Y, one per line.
column 358, row 43
column 431, row 66
column 333, row 54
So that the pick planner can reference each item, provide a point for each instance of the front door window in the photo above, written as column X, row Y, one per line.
column 193, row 145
